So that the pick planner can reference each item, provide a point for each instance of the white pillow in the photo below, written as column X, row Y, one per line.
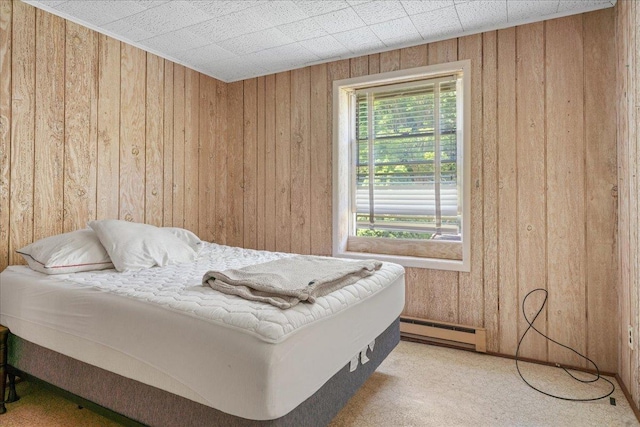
column 133, row 246
column 79, row 250
column 186, row 236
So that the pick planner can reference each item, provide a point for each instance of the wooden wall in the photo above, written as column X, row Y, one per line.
column 94, row 128
column 628, row 88
column 543, row 173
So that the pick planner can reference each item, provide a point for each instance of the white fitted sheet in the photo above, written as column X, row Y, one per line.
column 161, row 327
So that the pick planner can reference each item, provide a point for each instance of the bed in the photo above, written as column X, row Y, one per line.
column 158, row 347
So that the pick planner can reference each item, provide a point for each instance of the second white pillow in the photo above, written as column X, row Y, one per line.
column 134, row 246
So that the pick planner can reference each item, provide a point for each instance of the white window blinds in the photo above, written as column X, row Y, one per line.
column 408, row 165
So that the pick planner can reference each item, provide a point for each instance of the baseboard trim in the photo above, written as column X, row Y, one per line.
column 542, row 362
column 635, row 409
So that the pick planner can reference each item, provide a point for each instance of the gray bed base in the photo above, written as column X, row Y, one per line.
column 151, row 406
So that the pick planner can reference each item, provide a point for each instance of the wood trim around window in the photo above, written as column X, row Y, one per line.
column 432, row 254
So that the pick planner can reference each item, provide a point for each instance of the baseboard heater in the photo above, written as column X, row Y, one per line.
column 468, row 337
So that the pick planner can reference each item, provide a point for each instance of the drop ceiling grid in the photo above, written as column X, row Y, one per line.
column 234, row 40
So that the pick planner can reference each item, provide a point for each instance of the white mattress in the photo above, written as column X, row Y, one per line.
column 160, row 326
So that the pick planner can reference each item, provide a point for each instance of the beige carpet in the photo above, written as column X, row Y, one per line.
column 417, row 385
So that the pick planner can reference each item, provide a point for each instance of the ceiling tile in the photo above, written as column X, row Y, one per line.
column 396, row 31
column 223, row 7
column 123, row 27
column 176, row 41
column 523, row 9
column 359, row 40
column 339, row 20
column 167, row 17
column 233, row 39
column 235, row 69
column 147, row 4
column 438, row 23
column 293, row 54
column 568, row 5
column 230, row 26
column 254, row 42
column 278, row 12
column 204, row 55
column 314, row 8
column 303, row 30
column 379, row 11
column 325, row 47
column 476, row 15
column 51, row 3
column 102, row 12
column 414, row 7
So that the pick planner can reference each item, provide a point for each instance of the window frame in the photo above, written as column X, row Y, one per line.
column 433, row 254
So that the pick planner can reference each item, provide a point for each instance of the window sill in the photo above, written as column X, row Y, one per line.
column 409, row 261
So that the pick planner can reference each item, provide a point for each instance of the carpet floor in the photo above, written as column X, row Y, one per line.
column 417, row 385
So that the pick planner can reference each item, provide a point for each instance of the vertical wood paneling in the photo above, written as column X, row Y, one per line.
column 634, row 171
column 359, row 66
column 415, row 56
column 167, row 136
column 628, row 149
column 507, row 235
column 634, row 71
column 432, row 294
column 270, row 163
column 49, row 127
column 108, row 174
column 178, row 145
column 565, row 188
column 203, row 170
column 631, row 191
column 87, row 130
column 470, row 288
column 132, row 133
column 207, row 160
column 154, row 148
column 80, row 127
column 221, row 162
column 300, row 161
column 624, row 186
column 235, row 207
column 320, row 172
column 447, row 51
column 283, row 162
column 489, row 170
column 418, row 295
column 22, row 128
column 531, row 191
column 261, row 219
column 374, row 63
column 600, row 173
column 389, row 61
column 191, row 148
column 6, row 16
column 250, row 163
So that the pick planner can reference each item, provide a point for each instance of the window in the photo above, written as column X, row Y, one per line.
column 401, row 181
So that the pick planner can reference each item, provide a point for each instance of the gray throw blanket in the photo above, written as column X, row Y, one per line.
column 287, row 281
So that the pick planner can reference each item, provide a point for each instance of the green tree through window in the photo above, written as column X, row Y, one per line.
column 407, row 164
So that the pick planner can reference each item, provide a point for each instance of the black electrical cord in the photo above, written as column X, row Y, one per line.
column 531, row 322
